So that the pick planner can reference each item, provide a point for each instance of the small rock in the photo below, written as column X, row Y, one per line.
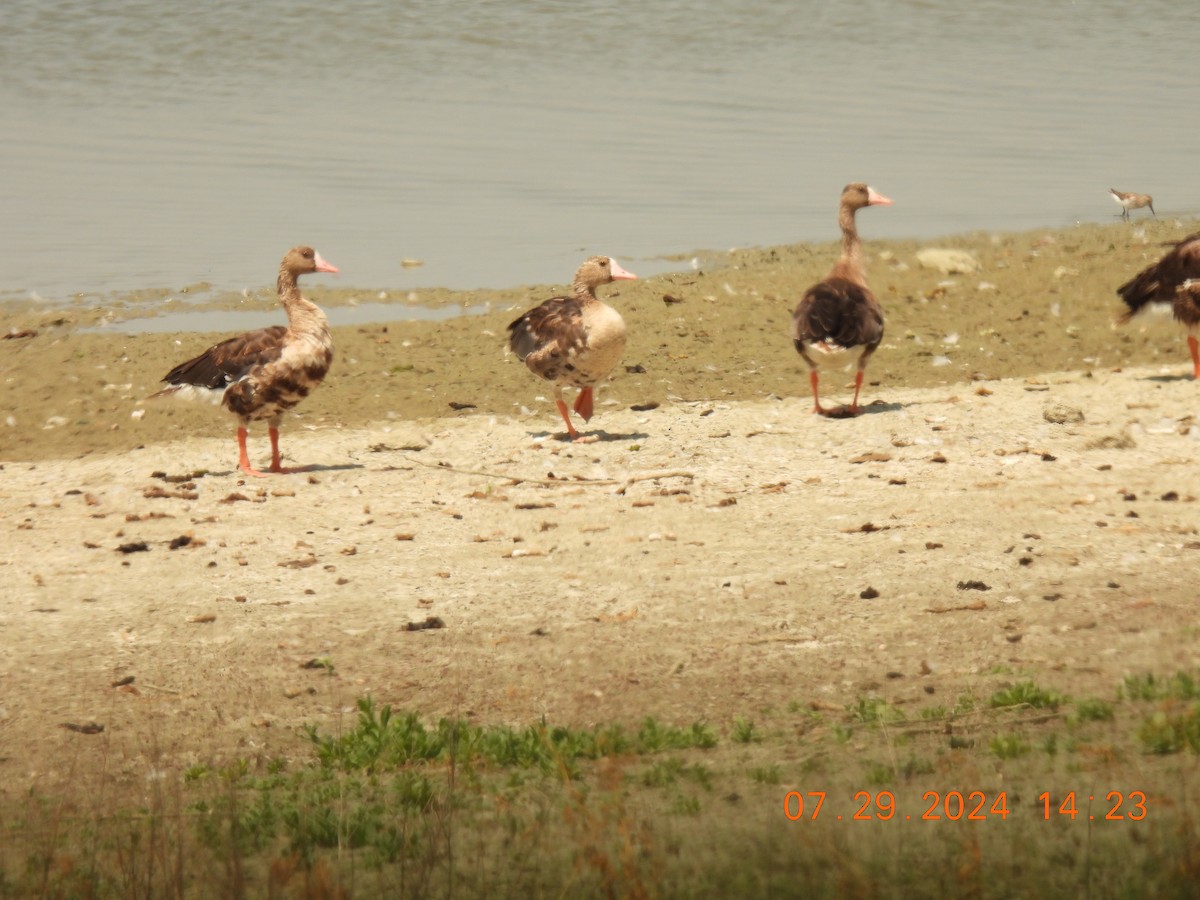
column 1121, row 441
column 973, row 586
column 1062, row 414
column 948, row 261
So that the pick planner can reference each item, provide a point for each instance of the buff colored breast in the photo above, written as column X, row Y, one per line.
column 605, row 331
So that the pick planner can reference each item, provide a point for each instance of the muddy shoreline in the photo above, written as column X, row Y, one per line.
column 1039, row 301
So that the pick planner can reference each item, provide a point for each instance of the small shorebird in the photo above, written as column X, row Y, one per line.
column 574, row 341
column 840, row 312
column 262, row 374
column 1175, row 281
column 1129, row 201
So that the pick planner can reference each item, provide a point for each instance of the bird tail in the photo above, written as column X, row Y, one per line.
column 1143, row 288
column 189, row 392
column 827, row 347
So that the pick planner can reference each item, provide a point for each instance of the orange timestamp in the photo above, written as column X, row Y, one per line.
column 1122, row 805
column 973, row 806
column 969, row 806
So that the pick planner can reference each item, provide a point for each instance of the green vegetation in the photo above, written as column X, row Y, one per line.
column 1180, row 686
column 743, row 731
column 395, row 805
column 1026, row 693
column 1008, row 746
column 1172, row 731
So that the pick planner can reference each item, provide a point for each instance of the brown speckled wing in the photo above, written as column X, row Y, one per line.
column 1158, row 282
column 548, row 334
column 226, row 362
column 839, row 311
column 1187, row 306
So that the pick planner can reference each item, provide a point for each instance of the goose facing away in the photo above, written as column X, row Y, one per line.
column 574, row 341
column 1174, row 280
column 839, row 312
column 262, row 374
column 1129, row 200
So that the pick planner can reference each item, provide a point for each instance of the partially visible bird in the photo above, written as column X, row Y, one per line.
column 1174, row 280
column 262, row 374
column 1130, row 201
column 574, row 341
column 840, row 312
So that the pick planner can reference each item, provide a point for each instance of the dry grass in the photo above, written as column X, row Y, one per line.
column 397, row 807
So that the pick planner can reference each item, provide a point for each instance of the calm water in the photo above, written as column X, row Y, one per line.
column 148, row 145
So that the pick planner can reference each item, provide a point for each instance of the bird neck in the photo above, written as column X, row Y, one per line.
column 303, row 315
column 583, row 292
column 850, row 263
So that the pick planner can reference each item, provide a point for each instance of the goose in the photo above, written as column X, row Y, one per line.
column 574, row 341
column 839, row 312
column 262, row 374
column 1173, row 280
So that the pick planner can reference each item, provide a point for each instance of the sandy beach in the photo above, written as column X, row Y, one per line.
column 1029, row 504
column 703, row 556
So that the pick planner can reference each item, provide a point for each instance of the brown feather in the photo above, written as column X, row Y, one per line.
column 838, row 311
column 224, row 363
column 576, row 340
column 1186, row 306
column 548, row 332
column 1160, row 282
column 262, row 374
column 572, row 340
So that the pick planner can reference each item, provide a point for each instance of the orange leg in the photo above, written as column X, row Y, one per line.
column 276, row 460
column 814, row 379
column 858, row 380
column 562, row 408
column 837, row 412
column 1194, row 346
column 244, row 456
column 583, row 404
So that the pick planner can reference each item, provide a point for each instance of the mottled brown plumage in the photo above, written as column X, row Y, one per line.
column 574, row 341
column 840, row 312
column 262, row 374
column 1173, row 280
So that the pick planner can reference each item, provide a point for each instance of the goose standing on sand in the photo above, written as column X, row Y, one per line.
column 1128, row 201
column 574, row 341
column 840, row 312
column 1174, row 280
column 262, row 374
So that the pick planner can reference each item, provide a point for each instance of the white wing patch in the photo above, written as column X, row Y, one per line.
column 194, row 392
